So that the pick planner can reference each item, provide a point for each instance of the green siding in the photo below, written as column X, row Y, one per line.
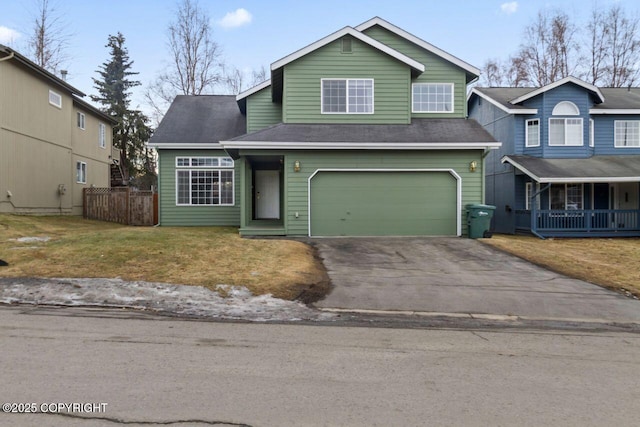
column 438, row 70
column 383, row 204
column 296, row 183
column 173, row 215
column 302, row 87
column 261, row 111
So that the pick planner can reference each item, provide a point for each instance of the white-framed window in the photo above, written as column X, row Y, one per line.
column 627, row 133
column 204, row 181
column 528, row 192
column 566, row 196
column 55, row 99
column 80, row 119
column 532, row 136
column 432, row 97
column 347, row 96
column 567, row 131
column 81, row 172
column 102, row 135
column 592, row 134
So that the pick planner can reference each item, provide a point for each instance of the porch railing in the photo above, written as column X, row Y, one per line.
column 576, row 221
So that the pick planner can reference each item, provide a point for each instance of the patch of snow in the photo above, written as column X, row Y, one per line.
column 199, row 301
column 32, row 239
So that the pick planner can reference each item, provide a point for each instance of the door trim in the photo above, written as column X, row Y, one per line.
column 453, row 173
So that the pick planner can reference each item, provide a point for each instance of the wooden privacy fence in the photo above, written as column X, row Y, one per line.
column 121, row 204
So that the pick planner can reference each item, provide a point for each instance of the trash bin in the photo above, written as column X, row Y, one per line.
column 479, row 220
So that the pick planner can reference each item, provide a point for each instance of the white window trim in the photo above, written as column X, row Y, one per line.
column 373, row 95
column 206, row 169
column 565, row 196
column 57, row 97
column 81, row 119
column 453, row 106
column 565, row 133
column 528, row 192
column 565, row 108
column 102, row 135
column 592, row 133
column 615, row 143
column 526, row 133
column 82, row 179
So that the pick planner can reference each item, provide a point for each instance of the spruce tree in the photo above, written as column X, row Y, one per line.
column 131, row 131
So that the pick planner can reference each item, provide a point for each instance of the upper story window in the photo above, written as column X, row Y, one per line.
column 55, row 99
column 80, row 119
column 565, row 131
column 204, row 181
column 347, row 96
column 102, row 135
column 432, row 97
column 533, row 133
column 627, row 133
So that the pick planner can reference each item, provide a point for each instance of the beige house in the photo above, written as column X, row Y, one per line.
column 52, row 143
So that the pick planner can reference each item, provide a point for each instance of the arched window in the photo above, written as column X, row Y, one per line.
column 565, row 131
column 566, row 108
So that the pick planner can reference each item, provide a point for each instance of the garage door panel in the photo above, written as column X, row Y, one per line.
column 383, row 203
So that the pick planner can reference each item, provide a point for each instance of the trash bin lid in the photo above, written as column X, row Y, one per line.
column 480, row 206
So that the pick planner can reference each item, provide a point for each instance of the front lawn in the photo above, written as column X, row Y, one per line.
column 205, row 256
column 612, row 263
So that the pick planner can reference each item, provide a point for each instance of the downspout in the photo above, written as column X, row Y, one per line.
column 534, row 211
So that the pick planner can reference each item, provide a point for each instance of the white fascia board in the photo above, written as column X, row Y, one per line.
column 418, row 41
column 614, row 111
column 501, row 106
column 360, row 146
column 554, row 85
column 179, row 146
column 355, row 34
column 253, row 90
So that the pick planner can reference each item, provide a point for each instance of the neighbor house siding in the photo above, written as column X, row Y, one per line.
column 261, row 111
column 173, row 215
column 437, row 69
column 302, row 84
column 296, row 183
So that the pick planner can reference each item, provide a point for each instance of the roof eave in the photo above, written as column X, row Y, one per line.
column 569, row 79
column 500, row 105
column 418, row 41
column 614, row 111
column 356, row 34
column 270, row 145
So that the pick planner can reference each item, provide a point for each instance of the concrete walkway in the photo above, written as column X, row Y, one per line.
column 458, row 276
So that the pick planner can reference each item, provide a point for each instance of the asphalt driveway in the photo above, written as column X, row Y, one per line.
column 457, row 275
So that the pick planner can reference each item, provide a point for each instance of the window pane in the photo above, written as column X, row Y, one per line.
column 432, row 98
column 556, row 194
column 360, row 96
column 627, row 133
column 183, row 187
column 574, row 131
column 182, row 161
column 533, row 133
column 226, row 187
column 574, row 196
column 202, row 183
column 556, row 131
column 334, row 96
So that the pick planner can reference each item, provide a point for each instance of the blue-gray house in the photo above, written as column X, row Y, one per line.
column 569, row 164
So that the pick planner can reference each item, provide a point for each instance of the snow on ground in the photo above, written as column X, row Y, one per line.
column 161, row 297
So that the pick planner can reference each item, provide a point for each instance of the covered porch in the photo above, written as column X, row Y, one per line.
column 594, row 197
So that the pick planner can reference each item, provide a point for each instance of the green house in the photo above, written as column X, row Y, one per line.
column 362, row 133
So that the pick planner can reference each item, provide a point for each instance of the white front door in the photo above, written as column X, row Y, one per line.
column 267, row 195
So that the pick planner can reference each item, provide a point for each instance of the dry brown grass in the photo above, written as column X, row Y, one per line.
column 205, row 256
column 612, row 263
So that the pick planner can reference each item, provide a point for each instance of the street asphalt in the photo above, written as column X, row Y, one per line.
column 458, row 277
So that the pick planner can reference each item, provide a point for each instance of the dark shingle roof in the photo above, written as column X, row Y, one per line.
column 201, row 119
column 568, row 169
column 420, row 130
column 615, row 98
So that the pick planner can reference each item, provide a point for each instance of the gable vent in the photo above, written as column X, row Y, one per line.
column 346, row 45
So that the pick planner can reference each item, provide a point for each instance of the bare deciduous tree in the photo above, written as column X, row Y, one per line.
column 234, row 80
column 48, row 39
column 546, row 55
column 195, row 66
column 623, row 45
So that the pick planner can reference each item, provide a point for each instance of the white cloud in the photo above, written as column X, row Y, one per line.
column 7, row 35
column 236, row 19
column 509, row 8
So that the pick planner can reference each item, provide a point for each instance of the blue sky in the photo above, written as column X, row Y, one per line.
column 265, row 31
